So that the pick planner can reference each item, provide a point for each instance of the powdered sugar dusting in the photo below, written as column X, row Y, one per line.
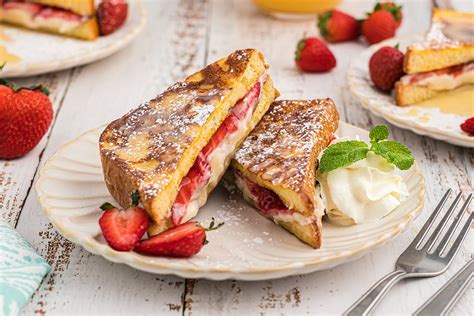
column 448, row 31
column 280, row 148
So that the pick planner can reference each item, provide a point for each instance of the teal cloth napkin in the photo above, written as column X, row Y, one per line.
column 21, row 270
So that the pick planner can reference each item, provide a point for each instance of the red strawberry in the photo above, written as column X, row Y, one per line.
column 337, row 26
column 379, row 26
column 111, row 15
column 468, row 126
column 123, row 229
column 25, row 116
column 5, row 89
column 184, row 240
column 391, row 7
column 312, row 55
column 386, row 67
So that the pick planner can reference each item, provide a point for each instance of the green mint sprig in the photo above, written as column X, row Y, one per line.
column 346, row 153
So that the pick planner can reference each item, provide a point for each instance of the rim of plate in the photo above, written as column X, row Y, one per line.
column 215, row 273
column 384, row 110
column 25, row 69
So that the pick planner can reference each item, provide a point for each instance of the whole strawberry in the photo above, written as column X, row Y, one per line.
column 312, row 55
column 25, row 116
column 111, row 14
column 391, row 7
column 337, row 26
column 386, row 67
column 379, row 26
column 468, row 126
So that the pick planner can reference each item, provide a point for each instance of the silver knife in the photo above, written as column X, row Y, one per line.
column 445, row 298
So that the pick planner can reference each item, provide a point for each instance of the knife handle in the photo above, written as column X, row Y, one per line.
column 445, row 298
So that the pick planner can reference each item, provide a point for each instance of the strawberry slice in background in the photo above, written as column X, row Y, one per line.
column 123, row 229
column 468, row 126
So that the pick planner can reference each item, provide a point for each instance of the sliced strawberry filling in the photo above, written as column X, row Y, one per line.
column 268, row 202
column 49, row 13
column 453, row 71
column 33, row 8
column 200, row 173
column 45, row 12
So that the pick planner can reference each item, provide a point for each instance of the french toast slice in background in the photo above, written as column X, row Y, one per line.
column 152, row 148
column 281, row 155
column 81, row 12
column 448, row 42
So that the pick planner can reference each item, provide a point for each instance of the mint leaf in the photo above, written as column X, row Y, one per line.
column 378, row 133
column 395, row 153
column 342, row 154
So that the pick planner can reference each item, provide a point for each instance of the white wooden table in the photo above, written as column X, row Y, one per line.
column 181, row 37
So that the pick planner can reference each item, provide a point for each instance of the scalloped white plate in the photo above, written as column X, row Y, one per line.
column 248, row 247
column 42, row 53
column 421, row 120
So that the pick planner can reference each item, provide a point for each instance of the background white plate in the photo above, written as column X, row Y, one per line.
column 41, row 52
column 421, row 120
column 248, row 247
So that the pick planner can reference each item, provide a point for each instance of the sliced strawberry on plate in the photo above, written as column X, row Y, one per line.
column 123, row 229
column 184, row 240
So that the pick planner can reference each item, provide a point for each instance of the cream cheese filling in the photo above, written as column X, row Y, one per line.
column 290, row 216
column 444, row 81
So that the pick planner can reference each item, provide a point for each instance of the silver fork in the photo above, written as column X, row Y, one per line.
column 418, row 260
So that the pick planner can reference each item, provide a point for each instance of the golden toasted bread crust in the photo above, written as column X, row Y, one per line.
column 412, row 94
column 281, row 152
column 448, row 42
column 152, row 148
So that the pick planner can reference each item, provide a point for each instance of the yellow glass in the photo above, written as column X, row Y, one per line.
column 296, row 7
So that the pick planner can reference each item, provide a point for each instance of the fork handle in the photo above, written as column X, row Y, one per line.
column 373, row 296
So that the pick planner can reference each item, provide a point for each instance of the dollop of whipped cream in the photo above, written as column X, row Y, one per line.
column 365, row 191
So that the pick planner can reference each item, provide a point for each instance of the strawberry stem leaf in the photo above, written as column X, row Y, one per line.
column 212, row 225
column 106, row 206
column 5, row 82
column 135, row 197
column 39, row 88
column 299, row 47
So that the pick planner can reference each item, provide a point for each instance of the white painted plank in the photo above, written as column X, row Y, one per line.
column 16, row 175
column 332, row 291
column 172, row 45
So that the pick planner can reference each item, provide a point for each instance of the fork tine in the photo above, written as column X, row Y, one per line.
column 452, row 228
column 421, row 235
column 462, row 234
column 439, row 229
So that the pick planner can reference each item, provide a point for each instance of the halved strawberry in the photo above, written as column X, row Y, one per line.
column 184, row 240
column 123, row 229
